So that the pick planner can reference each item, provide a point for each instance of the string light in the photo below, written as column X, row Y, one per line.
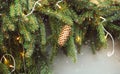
column 22, row 54
column 78, row 39
column 57, row 4
column 37, row 2
column 106, row 36
column 18, row 38
column 109, row 54
column 5, row 60
column 12, row 66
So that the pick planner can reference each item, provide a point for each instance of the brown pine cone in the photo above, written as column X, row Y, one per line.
column 64, row 34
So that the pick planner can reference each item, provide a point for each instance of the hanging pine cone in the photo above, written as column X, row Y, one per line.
column 64, row 34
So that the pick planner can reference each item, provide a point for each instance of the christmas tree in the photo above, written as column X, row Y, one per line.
column 32, row 31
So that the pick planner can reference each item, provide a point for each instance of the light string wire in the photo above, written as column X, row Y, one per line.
column 37, row 2
column 109, row 54
column 12, row 59
column 57, row 4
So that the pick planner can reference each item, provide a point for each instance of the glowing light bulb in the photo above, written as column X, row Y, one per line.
column 59, row 7
column 22, row 54
column 106, row 36
column 78, row 39
column 11, row 66
column 17, row 38
column 6, row 61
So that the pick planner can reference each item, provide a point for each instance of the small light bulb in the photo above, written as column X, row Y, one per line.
column 106, row 35
column 78, row 39
column 5, row 61
column 22, row 54
column 11, row 66
column 59, row 7
column 18, row 38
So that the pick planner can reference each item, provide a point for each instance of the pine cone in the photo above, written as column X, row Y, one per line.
column 64, row 34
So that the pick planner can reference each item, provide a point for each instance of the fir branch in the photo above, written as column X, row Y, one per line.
column 12, row 10
column 71, row 49
column 53, row 52
column 74, row 15
column 58, row 15
column 32, row 25
column 78, row 13
column 55, row 33
column 40, row 67
column 101, row 34
column 42, row 33
column 29, row 46
column 4, row 69
column 18, row 8
column 24, row 32
column 113, row 27
column 8, row 24
column 81, row 4
column 84, row 15
column 114, row 17
column 109, row 11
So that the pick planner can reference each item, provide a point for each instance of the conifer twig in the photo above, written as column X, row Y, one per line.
column 3, row 57
column 109, row 54
column 37, row 2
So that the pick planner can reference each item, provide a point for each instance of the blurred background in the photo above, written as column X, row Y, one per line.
column 89, row 63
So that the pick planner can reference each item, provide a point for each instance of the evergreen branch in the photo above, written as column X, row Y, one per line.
column 29, row 46
column 113, row 26
column 18, row 7
column 32, row 24
column 101, row 34
column 109, row 11
column 25, row 32
column 58, row 15
column 12, row 10
column 55, row 33
column 42, row 33
column 17, row 18
column 71, row 49
column 53, row 52
column 40, row 67
column 81, row 4
column 84, row 15
column 8, row 24
column 4, row 69
column 74, row 15
column 114, row 17
column 42, row 36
